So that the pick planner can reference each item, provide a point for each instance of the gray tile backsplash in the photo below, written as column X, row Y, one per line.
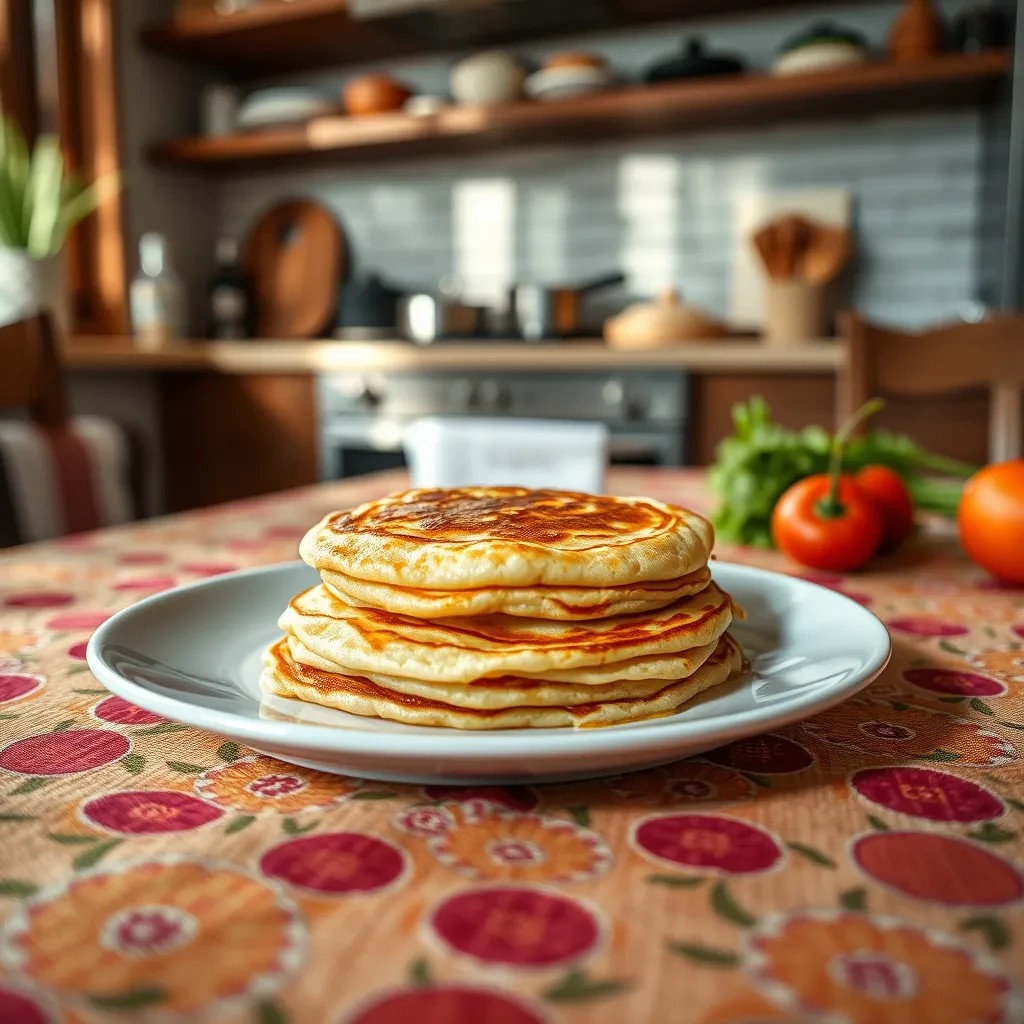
column 662, row 209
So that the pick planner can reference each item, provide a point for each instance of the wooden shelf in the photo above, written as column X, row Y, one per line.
column 303, row 357
column 275, row 37
column 709, row 103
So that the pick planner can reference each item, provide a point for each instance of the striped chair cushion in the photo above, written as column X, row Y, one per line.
column 55, row 481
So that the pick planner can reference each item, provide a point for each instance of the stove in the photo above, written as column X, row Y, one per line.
column 363, row 415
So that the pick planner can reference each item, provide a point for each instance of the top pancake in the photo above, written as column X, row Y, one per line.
column 509, row 537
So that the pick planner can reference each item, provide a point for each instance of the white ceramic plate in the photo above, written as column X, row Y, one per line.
column 193, row 655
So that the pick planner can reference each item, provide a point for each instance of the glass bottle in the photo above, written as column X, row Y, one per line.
column 157, row 297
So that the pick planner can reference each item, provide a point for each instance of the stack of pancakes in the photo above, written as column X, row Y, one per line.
column 501, row 607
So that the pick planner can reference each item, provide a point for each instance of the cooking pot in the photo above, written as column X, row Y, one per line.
column 540, row 312
column 424, row 317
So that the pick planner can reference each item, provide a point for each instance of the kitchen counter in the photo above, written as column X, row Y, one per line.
column 305, row 357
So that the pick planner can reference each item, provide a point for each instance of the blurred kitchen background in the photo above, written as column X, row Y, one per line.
column 336, row 216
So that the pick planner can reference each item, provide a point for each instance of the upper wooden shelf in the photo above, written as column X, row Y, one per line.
column 276, row 37
column 702, row 104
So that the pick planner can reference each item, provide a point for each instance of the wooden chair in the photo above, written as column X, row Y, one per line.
column 941, row 361
column 58, row 474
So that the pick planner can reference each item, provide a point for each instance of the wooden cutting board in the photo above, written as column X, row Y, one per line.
column 295, row 257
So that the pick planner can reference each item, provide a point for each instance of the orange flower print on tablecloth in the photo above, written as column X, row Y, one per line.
column 504, row 846
column 878, row 729
column 980, row 610
column 18, row 642
column 683, row 783
column 874, row 970
column 193, row 936
column 263, row 785
column 1005, row 662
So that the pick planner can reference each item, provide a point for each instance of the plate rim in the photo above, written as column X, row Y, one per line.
column 451, row 744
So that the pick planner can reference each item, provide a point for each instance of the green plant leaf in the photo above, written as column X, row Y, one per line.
column 95, row 854
column 12, row 887
column 420, row 972
column 1017, row 805
column 951, row 648
column 703, row 954
column 162, row 727
column 268, row 1012
column 237, row 824
column 979, row 705
column 293, row 828
column 815, row 856
column 133, row 999
column 17, row 817
column 375, row 794
column 133, row 763
column 229, row 751
column 31, row 785
column 990, row 832
column 674, row 881
column 724, row 904
column 996, row 934
column 580, row 815
column 7, row 718
column 91, row 692
column 758, row 780
column 1012, row 725
column 70, row 840
column 63, row 726
column 43, row 195
column 854, row 899
column 577, row 987
column 877, row 824
column 187, row 769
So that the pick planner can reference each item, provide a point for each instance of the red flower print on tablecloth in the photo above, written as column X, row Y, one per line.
column 264, row 785
column 19, row 685
column 1005, row 662
column 859, row 969
column 64, row 753
column 147, row 583
column 708, row 842
column 685, row 782
column 336, row 864
column 763, row 755
column 425, row 821
column 148, row 812
column 949, row 682
column 118, row 711
column 77, row 620
column 514, row 798
column 937, row 869
column 838, row 584
column 142, row 558
column 199, row 937
column 77, row 650
column 498, row 845
column 208, row 568
column 18, row 1007
column 445, row 1004
column 40, row 599
column 879, row 729
column 925, row 626
column 516, row 926
column 927, row 793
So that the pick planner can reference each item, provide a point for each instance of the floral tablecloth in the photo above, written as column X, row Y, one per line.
column 864, row 866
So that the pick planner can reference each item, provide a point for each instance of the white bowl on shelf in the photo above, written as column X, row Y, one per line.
column 268, row 108
column 563, row 82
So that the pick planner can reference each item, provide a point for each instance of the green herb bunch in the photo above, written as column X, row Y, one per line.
column 40, row 202
column 754, row 466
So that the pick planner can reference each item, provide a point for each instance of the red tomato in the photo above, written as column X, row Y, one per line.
column 991, row 519
column 805, row 529
column 888, row 492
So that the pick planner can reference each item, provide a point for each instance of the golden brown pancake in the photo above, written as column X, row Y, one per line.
column 539, row 602
column 512, row 691
column 459, row 650
column 472, row 537
column 358, row 695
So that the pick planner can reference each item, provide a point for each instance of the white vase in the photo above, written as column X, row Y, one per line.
column 29, row 286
